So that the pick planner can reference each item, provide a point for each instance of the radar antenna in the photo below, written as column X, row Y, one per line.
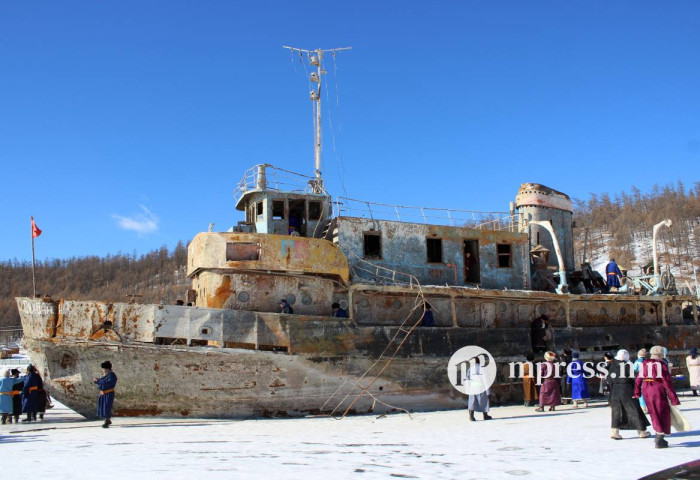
column 316, row 59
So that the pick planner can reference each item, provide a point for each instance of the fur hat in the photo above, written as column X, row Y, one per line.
column 623, row 356
column 550, row 356
column 694, row 352
column 31, row 368
column 642, row 353
column 107, row 365
column 575, row 355
column 657, row 351
column 14, row 371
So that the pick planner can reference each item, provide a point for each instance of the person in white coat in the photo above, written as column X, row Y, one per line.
column 476, row 379
column 693, row 363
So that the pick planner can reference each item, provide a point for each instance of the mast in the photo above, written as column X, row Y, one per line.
column 316, row 60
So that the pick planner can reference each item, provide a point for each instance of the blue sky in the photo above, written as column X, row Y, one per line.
column 125, row 126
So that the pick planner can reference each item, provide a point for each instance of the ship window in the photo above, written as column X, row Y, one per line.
column 278, row 209
column 505, row 256
column 373, row 245
column 314, row 210
column 236, row 252
column 259, row 209
column 434, row 247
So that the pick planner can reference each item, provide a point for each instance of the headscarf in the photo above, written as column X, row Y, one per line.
column 642, row 353
column 693, row 352
column 550, row 356
column 623, row 356
column 657, row 352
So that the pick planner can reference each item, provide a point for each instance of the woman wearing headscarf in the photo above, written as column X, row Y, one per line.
column 550, row 394
column 654, row 384
column 624, row 408
column 693, row 363
column 578, row 382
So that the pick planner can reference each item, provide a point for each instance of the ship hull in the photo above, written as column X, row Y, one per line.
column 189, row 362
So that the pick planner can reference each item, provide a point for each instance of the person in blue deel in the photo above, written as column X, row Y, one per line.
column 613, row 274
column 428, row 320
column 106, row 384
column 339, row 312
column 30, row 393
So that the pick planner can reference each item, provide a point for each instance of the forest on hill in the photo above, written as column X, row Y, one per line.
column 156, row 277
column 619, row 226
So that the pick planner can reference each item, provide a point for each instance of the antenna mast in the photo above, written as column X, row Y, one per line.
column 316, row 60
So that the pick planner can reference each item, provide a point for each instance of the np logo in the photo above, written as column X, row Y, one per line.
column 471, row 370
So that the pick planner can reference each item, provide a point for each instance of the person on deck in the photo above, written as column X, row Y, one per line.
column 339, row 312
column 578, row 382
column 428, row 320
column 612, row 274
column 539, row 330
column 30, row 393
column 106, row 383
column 626, row 414
column 654, row 384
column 693, row 363
column 286, row 307
column 529, row 387
column 477, row 402
column 550, row 394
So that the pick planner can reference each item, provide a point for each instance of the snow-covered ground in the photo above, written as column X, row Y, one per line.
column 518, row 442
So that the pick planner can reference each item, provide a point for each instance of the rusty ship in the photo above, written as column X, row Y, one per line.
column 230, row 353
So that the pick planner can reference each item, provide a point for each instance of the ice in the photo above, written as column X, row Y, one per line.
column 517, row 443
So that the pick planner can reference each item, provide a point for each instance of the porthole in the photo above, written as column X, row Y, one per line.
column 561, row 313
column 641, row 310
column 651, row 310
column 306, row 300
column 623, row 311
column 205, row 331
column 364, row 303
column 396, row 304
column 291, row 299
column 243, row 297
column 343, row 304
column 603, row 311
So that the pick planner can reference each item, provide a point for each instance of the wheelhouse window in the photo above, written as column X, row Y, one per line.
column 259, row 209
column 505, row 255
column 236, row 252
column 434, row 249
column 314, row 210
column 278, row 209
column 372, row 242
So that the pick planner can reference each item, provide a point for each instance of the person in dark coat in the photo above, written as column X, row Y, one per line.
column 605, row 369
column 30, row 393
column 286, row 307
column 654, row 384
column 578, row 382
column 16, row 394
column 106, row 383
column 626, row 414
column 529, row 386
column 612, row 274
column 339, row 312
column 40, row 399
column 550, row 394
column 566, row 359
column 428, row 320
column 538, row 333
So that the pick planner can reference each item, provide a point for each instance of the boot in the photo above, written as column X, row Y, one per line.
column 41, row 416
column 16, row 418
column 615, row 434
column 4, row 419
column 660, row 442
column 643, row 434
column 471, row 416
column 575, row 404
column 540, row 409
column 695, row 393
column 551, row 409
column 28, row 419
column 487, row 416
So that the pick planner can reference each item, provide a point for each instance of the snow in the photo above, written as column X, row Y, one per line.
column 569, row 443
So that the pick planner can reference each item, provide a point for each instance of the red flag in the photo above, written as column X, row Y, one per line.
column 36, row 231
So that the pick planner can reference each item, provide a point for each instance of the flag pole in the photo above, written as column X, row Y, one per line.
column 33, row 275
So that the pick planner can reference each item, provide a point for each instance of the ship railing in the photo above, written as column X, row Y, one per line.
column 351, row 207
column 268, row 177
